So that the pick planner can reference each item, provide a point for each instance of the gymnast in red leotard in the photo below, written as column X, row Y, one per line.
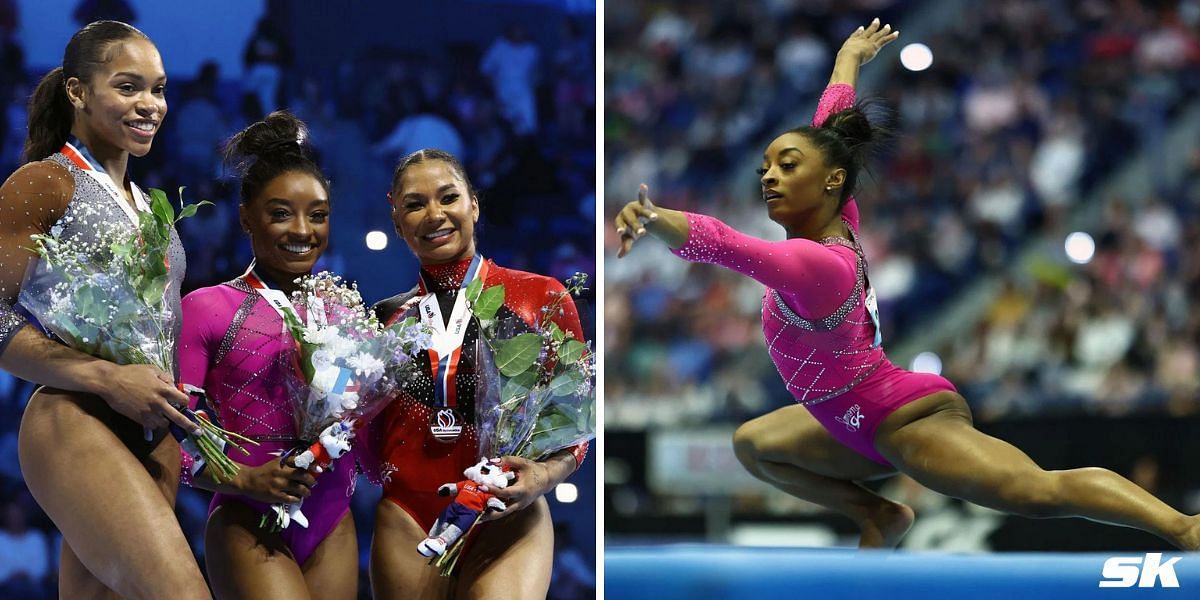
column 414, row 440
column 859, row 416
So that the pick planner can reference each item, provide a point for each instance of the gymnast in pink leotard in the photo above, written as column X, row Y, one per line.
column 234, row 345
column 859, row 416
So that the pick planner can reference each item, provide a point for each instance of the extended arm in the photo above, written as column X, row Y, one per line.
column 862, row 45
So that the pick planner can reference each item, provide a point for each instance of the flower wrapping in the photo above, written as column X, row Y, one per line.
column 348, row 367
column 106, row 298
column 535, row 393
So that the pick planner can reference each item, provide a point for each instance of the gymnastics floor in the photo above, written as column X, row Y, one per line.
column 717, row 572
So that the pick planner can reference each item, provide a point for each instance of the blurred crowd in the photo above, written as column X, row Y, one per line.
column 1026, row 111
column 518, row 112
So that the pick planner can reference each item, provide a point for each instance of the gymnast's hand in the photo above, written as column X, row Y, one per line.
column 272, row 482
column 145, row 394
column 641, row 217
column 864, row 43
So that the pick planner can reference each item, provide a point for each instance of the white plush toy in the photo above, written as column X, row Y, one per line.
column 469, row 503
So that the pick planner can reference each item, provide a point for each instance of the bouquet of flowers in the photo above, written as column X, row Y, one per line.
column 535, row 394
column 105, row 298
column 348, row 367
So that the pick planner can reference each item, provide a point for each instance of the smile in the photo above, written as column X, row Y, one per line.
column 298, row 248
column 143, row 127
column 437, row 235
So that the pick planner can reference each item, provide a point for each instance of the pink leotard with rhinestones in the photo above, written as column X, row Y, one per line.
column 818, row 330
column 234, row 346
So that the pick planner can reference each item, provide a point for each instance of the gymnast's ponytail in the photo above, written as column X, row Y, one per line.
column 848, row 138
column 51, row 114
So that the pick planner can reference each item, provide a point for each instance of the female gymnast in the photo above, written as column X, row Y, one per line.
column 435, row 210
column 234, row 346
column 860, row 417
column 83, row 451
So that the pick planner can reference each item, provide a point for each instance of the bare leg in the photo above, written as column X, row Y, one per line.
column 245, row 562
column 790, row 450
column 397, row 570
column 74, row 580
column 331, row 571
column 104, row 490
column 511, row 558
column 934, row 441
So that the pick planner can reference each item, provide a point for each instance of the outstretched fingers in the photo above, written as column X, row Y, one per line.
column 631, row 220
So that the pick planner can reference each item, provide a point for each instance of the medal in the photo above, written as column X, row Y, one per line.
column 445, row 425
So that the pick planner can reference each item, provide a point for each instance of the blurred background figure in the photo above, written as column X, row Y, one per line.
column 1028, row 246
column 357, row 74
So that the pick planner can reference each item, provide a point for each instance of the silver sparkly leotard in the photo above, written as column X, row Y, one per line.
column 49, row 195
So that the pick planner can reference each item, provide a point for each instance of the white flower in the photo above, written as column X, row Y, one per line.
column 322, row 360
column 315, row 334
column 365, row 365
column 340, row 346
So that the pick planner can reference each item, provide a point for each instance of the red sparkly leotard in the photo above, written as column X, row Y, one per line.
column 818, row 330
column 412, row 464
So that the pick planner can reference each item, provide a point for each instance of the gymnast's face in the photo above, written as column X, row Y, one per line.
column 794, row 176
column 435, row 213
column 288, row 225
column 124, row 104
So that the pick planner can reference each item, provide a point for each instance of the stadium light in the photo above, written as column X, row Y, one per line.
column 376, row 240
column 916, row 57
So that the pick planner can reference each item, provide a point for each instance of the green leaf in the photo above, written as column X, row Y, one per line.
column 518, row 386
column 518, row 354
column 473, row 290
column 490, row 301
column 188, row 211
column 556, row 332
column 153, row 293
column 570, row 352
column 566, row 384
column 161, row 207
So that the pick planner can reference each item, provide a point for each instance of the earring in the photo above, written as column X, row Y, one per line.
column 828, row 189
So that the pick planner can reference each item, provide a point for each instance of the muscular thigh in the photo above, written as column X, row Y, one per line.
column 331, row 572
column 397, row 570
column 938, row 446
column 793, row 436
column 511, row 558
column 243, row 561
column 95, row 475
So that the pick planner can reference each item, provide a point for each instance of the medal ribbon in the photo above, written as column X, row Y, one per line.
column 78, row 154
column 283, row 305
column 446, row 351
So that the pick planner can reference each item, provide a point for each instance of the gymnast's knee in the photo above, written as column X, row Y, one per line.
column 747, row 446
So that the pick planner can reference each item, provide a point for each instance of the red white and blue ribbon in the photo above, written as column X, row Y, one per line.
column 446, row 350
column 81, row 157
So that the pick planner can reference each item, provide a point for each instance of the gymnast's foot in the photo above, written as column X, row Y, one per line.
column 886, row 526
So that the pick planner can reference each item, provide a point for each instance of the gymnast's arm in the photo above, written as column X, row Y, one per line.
column 206, row 315
column 858, row 49
column 32, row 200
column 815, row 279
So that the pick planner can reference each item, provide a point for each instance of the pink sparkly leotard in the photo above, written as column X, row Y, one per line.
column 818, row 330
column 234, row 346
